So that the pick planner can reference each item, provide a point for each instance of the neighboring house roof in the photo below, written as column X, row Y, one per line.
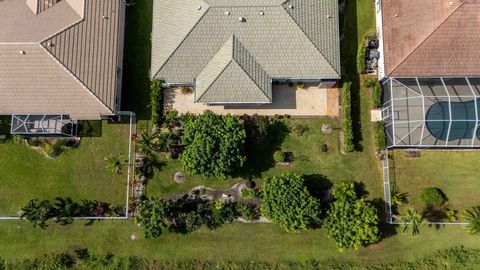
column 431, row 38
column 60, row 58
column 283, row 39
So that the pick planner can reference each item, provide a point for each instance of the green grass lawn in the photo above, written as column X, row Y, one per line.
column 77, row 173
column 232, row 242
column 454, row 172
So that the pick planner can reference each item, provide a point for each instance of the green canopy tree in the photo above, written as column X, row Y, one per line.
column 351, row 222
column 286, row 201
column 215, row 144
column 37, row 212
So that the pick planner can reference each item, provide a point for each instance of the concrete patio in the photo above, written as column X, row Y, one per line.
column 310, row 101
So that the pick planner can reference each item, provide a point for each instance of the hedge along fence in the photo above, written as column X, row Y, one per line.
column 379, row 134
column 347, row 125
column 361, row 53
column 156, row 100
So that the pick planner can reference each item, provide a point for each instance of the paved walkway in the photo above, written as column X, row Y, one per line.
column 311, row 101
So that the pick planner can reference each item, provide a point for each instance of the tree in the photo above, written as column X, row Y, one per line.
column 215, row 144
column 65, row 210
column 472, row 216
column 146, row 143
column 286, row 201
column 351, row 222
column 37, row 212
column 412, row 220
column 114, row 163
column 152, row 215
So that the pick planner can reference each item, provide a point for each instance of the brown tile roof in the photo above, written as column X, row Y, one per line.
column 431, row 37
column 69, row 63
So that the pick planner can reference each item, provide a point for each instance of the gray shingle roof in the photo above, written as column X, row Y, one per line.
column 233, row 76
column 288, row 39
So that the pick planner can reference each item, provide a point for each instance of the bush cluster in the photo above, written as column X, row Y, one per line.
column 188, row 214
column 432, row 197
column 347, row 124
column 361, row 54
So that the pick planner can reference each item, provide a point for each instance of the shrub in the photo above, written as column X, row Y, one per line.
column 351, row 222
column 377, row 95
column 249, row 193
column 247, row 210
column 152, row 216
column 347, row 125
column 361, row 53
column 171, row 116
column 432, row 197
column 287, row 202
column 324, row 148
column 299, row 129
column 472, row 216
column 215, row 144
column 155, row 100
column 379, row 135
column 279, row 156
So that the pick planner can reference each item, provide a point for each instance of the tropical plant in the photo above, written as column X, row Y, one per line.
column 164, row 141
column 152, row 216
column 155, row 96
column 412, row 221
column 351, row 222
column 450, row 215
column 65, row 209
column 215, row 144
column 472, row 216
column 146, row 143
column 287, row 202
column 37, row 212
column 247, row 210
column 114, row 163
column 398, row 198
column 171, row 116
column 432, row 197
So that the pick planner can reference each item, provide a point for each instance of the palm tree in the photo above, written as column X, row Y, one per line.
column 146, row 144
column 472, row 216
column 164, row 141
column 66, row 210
column 37, row 212
column 398, row 198
column 114, row 163
column 412, row 221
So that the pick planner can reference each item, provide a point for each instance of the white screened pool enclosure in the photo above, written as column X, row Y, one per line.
column 432, row 112
column 38, row 125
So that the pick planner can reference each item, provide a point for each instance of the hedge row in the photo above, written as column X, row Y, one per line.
column 379, row 134
column 453, row 258
column 347, row 125
column 155, row 100
column 361, row 53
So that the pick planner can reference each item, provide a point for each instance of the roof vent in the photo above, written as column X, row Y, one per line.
column 262, row 13
column 241, row 19
column 227, row 12
column 329, row 16
column 49, row 44
column 290, row 6
column 199, row 8
column 450, row 3
column 22, row 52
column 105, row 17
column 396, row 15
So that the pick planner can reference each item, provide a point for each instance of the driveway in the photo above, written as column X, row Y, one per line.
column 311, row 101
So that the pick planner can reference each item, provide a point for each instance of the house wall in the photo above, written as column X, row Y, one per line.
column 379, row 21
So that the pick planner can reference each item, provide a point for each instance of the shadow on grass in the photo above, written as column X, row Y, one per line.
column 136, row 77
column 90, row 128
column 260, row 153
column 387, row 230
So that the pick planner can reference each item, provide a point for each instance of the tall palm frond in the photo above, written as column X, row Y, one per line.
column 146, row 143
column 65, row 210
column 114, row 163
column 472, row 216
column 412, row 221
column 37, row 212
column 398, row 198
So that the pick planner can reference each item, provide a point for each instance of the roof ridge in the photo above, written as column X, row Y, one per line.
column 253, row 58
column 216, row 78
column 308, row 37
column 183, row 40
column 426, row 38
column 80, row 83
